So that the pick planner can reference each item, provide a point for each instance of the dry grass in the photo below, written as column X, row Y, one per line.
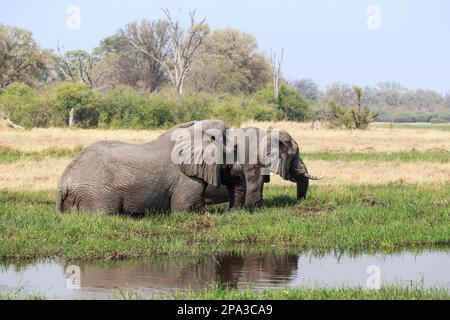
column 28, row 174
column 376, row 173
column 317, row 139
column 59, row 138
column 31, row 175
column 321, row 139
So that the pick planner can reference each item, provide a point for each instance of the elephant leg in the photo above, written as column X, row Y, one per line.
column 237, row 196
column 189, row 195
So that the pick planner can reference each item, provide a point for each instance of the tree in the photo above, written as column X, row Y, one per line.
column 391, row 93
column 80, row 66
column 358, row 117
column 308, row 89
column 447, row 99
column 180, row 48
column 146, row 45
column 276, row 74
column 339, row 92
column 291, row 105
column 78, row 99
column 21, row 58
column 229, row 61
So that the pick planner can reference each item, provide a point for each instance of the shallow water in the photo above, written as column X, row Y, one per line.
column 56, row 278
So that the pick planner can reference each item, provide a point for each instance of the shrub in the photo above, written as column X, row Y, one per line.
column 195, row 106
column 338, row 116
column 23, row 106
column 350, row 118
column 292, row 106
column 262, row 112
column 231, row 113
column 81, row 99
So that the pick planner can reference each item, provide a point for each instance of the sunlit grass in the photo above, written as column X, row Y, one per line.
column 350, row 218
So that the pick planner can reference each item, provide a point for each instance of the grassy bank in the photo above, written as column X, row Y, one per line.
column 217, row 293
column 351, row 218
column 385, row 293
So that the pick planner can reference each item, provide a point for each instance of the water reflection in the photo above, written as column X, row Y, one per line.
column 162, row 275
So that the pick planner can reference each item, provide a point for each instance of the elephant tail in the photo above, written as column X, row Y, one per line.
column 60, row 197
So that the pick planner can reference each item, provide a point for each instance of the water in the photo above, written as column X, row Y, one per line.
column 56, row 278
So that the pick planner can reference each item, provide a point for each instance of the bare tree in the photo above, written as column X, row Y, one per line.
column 151, row 38
column 80, row 66
column 179, row 50
column 276, row 73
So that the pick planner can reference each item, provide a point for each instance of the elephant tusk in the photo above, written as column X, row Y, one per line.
column 313, row 177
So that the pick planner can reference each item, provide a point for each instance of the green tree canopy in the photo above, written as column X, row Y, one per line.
column 229, row 62
column 21, row 58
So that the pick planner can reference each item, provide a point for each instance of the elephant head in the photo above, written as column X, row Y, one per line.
column 291, row 166
column 257, row 162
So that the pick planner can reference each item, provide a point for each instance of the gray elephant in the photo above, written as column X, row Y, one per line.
column 116, row 177
column 290, row 167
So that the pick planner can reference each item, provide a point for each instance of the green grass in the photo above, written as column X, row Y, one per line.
column 347, row 218
column 384, row 293
column 417, row 126
column 8, row 155
column 219, row 293
column 432, row 156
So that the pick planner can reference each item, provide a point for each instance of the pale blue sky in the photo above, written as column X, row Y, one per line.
column 325, row 40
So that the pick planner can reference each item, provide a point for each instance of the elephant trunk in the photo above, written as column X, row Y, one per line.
column 302, row 186
column 301, row 177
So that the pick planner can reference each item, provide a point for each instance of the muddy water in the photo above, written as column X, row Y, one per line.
column 56, row 278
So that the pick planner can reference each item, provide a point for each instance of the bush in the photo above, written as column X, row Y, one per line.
column 81, row 99
column 126, row 108
column 231, row 113
column 262, row 112
column 23, row 106
column 292, row 106
column 195, row 106
column 339, row 116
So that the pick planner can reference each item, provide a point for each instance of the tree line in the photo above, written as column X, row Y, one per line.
column 157, row 73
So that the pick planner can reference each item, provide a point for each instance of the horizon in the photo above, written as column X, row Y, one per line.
column 324, row 41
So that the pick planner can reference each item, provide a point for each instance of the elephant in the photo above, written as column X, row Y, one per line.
column 291, row 167
column 122, row 178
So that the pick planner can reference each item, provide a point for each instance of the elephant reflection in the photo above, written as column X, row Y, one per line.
column 164, row 274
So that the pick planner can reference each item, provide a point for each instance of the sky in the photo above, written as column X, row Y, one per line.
column 356, row 41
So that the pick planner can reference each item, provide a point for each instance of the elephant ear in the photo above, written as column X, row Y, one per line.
column 203, row 158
